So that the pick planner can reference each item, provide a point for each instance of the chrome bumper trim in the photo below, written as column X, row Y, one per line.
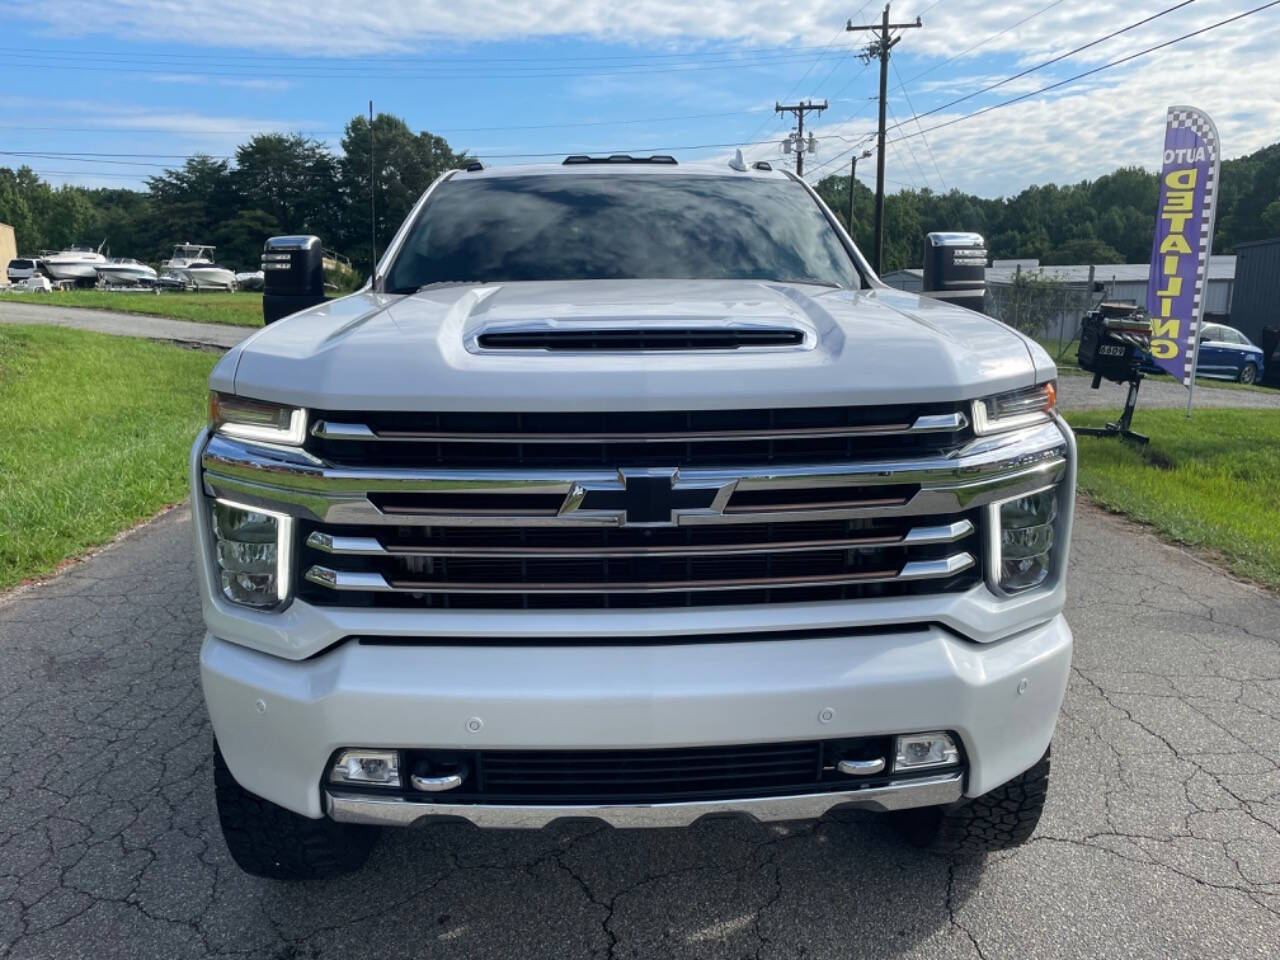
column 394, row 811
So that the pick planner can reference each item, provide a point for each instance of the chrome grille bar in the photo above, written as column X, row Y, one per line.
column 303, row 485
column 931, row 423
column 373, row 547
column 363, row 581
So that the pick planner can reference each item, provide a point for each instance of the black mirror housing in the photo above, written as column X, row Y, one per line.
column 292, row 275
column 955, row 268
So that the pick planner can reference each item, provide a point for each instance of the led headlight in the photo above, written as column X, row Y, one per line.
column 248, row 419
column 251, row 551
column 1020, row 408
column 1021, row 539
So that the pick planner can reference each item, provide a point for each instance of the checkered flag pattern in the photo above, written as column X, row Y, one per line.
column 1196, row 122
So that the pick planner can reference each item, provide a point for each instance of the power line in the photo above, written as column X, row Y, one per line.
column 934, row 160
column 1062, row 56
column 981, row 43
column 34, row 62
column 1089, row 73
column 379, row 58
column 77, row 157
column 1056, row 59
column 283, row 128
column 911, row 150
column 796, row 86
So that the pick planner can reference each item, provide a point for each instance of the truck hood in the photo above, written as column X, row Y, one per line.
column 374, row 351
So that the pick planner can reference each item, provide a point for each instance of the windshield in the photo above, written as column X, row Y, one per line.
column 618, row 227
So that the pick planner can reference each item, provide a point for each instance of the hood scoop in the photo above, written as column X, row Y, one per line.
column 619, row 339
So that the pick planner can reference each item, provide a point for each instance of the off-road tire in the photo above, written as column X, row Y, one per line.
column 267, row 840
column 1003, row 818
column 1249, row 373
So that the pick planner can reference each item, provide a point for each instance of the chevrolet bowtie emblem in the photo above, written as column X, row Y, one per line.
column 647, row 498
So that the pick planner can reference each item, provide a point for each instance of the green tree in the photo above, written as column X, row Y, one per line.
column 191, row 203
column 292, row 179
column 405, row 164
column 240, row 239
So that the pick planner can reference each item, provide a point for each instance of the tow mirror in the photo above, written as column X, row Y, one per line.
column 292, row 275
column 955, row 268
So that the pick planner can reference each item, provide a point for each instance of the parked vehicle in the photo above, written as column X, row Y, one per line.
column 21, row 267
column 1225, row 354
column 601, row 499
column 36, row 283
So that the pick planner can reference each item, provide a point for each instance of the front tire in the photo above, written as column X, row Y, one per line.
column 998, row 820
column 1249, row 373
column 267, row 840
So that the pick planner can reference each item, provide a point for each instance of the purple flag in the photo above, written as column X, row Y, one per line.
column 1184, row 237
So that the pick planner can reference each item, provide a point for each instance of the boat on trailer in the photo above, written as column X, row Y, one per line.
column 193, row 265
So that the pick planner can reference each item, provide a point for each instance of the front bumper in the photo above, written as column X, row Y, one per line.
column 918, row 792
column 279, row 721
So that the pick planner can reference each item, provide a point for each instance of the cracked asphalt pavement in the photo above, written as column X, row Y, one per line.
column 1161, row 838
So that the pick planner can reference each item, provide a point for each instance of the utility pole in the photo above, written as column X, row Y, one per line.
column 797, row 139
column 853, row 178
column 879, row 49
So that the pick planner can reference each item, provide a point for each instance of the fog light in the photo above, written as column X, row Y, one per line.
column 372, row 768
column 921, row 750
column 251, row 550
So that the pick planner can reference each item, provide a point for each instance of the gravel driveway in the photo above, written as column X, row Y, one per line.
column 1074, row 393
column 1160, row 839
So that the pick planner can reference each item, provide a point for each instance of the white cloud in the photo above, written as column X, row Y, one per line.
column 1075, row 132
column 337, row 27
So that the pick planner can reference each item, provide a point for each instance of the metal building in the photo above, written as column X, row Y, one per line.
column 1257, row 294
column 8, row 250
column 1120, row 281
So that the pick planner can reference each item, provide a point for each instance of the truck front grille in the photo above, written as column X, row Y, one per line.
column 636, row 438
column 621, row 567
column 557, row 511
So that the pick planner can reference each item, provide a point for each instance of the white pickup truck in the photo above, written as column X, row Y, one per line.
column 626, row 490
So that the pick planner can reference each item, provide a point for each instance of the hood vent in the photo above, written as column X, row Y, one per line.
column 650, row 338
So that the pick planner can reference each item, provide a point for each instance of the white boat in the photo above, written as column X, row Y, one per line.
column 125, row 271
column 251, row 280
column 75, row 263
column 192, row 263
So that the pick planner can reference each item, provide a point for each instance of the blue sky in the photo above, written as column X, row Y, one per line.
column 505, row 81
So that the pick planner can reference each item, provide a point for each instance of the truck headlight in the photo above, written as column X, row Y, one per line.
column 1019, row 408
column 251, row 550
column 1021, row 539
column 247, row 419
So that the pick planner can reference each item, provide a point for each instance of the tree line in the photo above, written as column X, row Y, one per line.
column 277, row 183
column 1107, row 220
column 287, row 183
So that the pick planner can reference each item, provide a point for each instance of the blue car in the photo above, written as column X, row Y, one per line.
column 1225, row 354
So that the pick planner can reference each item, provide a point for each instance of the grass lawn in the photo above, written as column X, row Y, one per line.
column 241, row 309
column 1210, row 481
column 94, row 434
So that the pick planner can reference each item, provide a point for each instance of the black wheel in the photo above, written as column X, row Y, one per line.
column 1003, row 818
column 1249, row 373
column 267, row 840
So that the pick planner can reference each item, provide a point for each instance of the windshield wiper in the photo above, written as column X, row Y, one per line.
column 433, row 285
column 809, row 280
